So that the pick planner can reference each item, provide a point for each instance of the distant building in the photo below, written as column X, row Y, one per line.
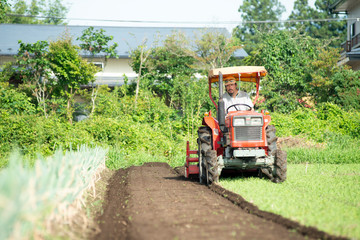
column 128, row 39
column 351, row 47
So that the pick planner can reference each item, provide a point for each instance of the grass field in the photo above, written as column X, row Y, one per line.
column 323, row 195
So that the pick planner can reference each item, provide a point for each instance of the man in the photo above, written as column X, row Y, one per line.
column 234, row 96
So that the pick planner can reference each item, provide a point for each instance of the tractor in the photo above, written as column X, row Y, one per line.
column 239, row 140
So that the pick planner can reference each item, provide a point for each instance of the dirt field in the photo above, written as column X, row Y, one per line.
column 154, row 201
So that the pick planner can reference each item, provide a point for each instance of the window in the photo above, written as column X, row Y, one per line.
column 100, row 65
column 353, row 30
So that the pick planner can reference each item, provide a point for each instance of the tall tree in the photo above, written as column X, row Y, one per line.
column 71, row 71
column 36, row 12
column 97, row 42
column 34, row 68
column 334, row 31
column 257, row 10
column 4, row 5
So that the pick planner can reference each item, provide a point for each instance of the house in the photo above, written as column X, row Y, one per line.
column 128, row 38
column 351, row 47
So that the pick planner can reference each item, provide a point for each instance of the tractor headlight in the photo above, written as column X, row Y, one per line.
column 256, row 121
column 239, row 122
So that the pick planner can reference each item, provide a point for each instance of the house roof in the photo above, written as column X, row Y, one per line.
column 128, row 38
column 343, row 6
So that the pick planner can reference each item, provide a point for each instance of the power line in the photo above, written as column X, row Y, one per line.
column 191, row 22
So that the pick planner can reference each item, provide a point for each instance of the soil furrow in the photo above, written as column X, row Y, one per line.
column 154, row 202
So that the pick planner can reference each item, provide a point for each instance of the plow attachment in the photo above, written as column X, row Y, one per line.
column 191, row 164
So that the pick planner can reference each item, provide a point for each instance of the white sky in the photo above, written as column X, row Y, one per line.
column 208, row 11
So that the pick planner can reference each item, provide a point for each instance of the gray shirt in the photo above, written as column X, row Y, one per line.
column 241, row 97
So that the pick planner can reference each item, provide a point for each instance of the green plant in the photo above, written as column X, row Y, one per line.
column 320, row 195
column 31, row 195
column 70, row 70
column 96, row 42
column 33, row 66
column 14, row 102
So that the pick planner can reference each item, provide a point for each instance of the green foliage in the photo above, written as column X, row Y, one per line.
column 319, row 124
column 325, row 196
column 71, row 71
column 53, row 10
column 286, row 55
column 33, row 67
column 255, row 10
column 345, row 89
column 213, row 50
column 95, row 42
column 42, row 135
column 31, row 195
column 334, row 31
column 302, row 72
column 4, row 5
column 14, row 102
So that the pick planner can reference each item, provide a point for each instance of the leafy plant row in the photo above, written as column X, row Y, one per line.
column 30, row 195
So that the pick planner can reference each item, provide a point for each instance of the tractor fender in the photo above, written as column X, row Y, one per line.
column 213, row 124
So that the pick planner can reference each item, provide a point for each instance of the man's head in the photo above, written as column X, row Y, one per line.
column 230, row 85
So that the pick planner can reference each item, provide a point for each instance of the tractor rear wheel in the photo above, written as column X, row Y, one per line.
column 208, row 169
column 280, row 164
column 271, row 140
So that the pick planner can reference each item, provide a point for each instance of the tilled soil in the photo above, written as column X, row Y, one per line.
column 153, row 201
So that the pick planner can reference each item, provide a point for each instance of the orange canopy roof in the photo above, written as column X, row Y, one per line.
column 246, row 73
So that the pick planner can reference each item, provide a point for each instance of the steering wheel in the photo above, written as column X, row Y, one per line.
column 238, row 104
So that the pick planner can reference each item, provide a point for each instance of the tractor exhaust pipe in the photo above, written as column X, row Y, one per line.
column 221, row 105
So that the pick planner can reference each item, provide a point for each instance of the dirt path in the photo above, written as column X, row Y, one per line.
column 154, row 202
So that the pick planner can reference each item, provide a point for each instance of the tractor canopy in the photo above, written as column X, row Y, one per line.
column 244, row 73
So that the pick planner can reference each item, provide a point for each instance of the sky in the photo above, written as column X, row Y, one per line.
column 193, row 13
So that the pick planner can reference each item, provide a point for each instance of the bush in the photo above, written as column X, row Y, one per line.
column 328, row 118
column 14, row 102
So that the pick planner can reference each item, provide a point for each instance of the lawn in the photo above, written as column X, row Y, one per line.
column 326, row 196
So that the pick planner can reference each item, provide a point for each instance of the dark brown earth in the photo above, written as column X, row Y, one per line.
column 154, row 201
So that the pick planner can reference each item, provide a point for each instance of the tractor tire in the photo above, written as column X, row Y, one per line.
column 271, row 140
column 280, row 167
column 212, row 171
column 278, row 174
column 208, row 172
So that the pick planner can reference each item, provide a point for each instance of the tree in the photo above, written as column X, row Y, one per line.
column 96, row 42
column 71, row 71
column 287, row 56
column 179, row 58
column 213, row 50
column 334, row 31
column 34, row 67
column 4, row 6
column 255, row 10
column 139, row 58
column 302, row 68
column 37, row 12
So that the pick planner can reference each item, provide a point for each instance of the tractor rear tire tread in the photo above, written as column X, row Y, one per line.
column 271, row 140
column 280, row 166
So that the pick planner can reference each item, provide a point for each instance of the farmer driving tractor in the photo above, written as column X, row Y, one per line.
column 239, row 138
column 234, row 96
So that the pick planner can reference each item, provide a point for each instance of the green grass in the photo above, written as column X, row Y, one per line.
column 337, row 150
column 326, row 196
column 117, row 158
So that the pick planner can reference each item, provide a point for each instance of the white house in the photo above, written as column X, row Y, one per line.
column 351, row 47
column 128, row 38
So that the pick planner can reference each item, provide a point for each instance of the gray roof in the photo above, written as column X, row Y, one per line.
column 128, row 38
column 343, row 6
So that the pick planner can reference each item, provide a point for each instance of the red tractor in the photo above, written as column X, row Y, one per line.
column 240, row 140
